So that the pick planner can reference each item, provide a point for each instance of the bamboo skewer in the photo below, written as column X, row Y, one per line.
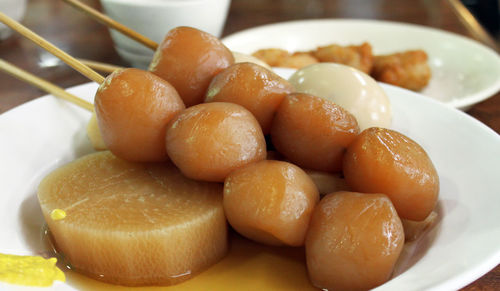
column 102, row 67
column 472, row 25
column 74, row 63
column 44, row 85
column 112, row 23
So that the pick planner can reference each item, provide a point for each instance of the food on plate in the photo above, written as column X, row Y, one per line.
column 57, row 214
column 313, row 132
column 133, row 108
column 137, row 224
column 355, row 91
column 356, row 56
column 244, row 58
column 298, row 60
column 188, row 59
column 252, row 86
column 282, row 58
column 133, row 223
column 94, row 134
column 414, row 229
column 408, row 69
column 210, row 140
column 327, row 182
column 273, row 56
column 353, row 241
column 385, row 161
column 270, row 202
column 29, row 270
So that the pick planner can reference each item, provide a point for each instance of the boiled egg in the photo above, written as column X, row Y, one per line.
column 352, row 89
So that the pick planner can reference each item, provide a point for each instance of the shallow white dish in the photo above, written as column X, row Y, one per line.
column 465, row 244
column 464, row 71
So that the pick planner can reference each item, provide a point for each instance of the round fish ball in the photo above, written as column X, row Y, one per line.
column 313, row 132
column 133, row 108
column 189, row 58
column 385, row 161
column 270, row 202
column 208, row 141
column 254, row 87
column 353, row 241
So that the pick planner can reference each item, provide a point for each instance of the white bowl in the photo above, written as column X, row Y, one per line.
column 154, row 18
column 14, row 9
column 464, row 72
column 465, row 243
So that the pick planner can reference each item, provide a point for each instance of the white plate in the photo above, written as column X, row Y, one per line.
column 464, row 71
column 45, row 133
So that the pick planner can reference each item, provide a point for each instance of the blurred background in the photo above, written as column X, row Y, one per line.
column 77, row 34
column 488, row 14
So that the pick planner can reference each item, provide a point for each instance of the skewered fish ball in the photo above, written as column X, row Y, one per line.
column 253, row 87
column 189, row 58
column 133, row 108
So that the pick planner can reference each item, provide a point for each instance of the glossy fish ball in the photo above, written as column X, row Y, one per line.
column 270, row 202
column 252, row 86
column 189, row 58
column 133, row 108
column 385, row 161
column 352, row 89
column 353, row 241
column 208, row 141
column 313, row 132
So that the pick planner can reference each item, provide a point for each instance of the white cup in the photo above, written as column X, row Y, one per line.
column 15, row 10
column 154, row 18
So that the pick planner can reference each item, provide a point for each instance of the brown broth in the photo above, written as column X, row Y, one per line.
column 248, row 264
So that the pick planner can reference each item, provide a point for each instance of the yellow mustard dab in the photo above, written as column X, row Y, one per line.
column 29, row 270
column 57, row 214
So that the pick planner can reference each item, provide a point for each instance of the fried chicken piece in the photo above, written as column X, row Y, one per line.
column 298, row 60
column 407, row 69
column 359, row 57
column 272, row 56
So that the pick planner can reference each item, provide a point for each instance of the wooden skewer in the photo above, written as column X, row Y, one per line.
column 473, row 26
column 102, row 67
column 44, row 85
column 112, row 23
column 74, row 63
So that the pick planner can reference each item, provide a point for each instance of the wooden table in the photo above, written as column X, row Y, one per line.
column 81, row 37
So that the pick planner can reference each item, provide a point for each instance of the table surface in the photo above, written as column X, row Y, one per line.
column 82, row 37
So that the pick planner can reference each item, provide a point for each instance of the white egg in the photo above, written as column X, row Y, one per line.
column 242, row 58
column 354, row 90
